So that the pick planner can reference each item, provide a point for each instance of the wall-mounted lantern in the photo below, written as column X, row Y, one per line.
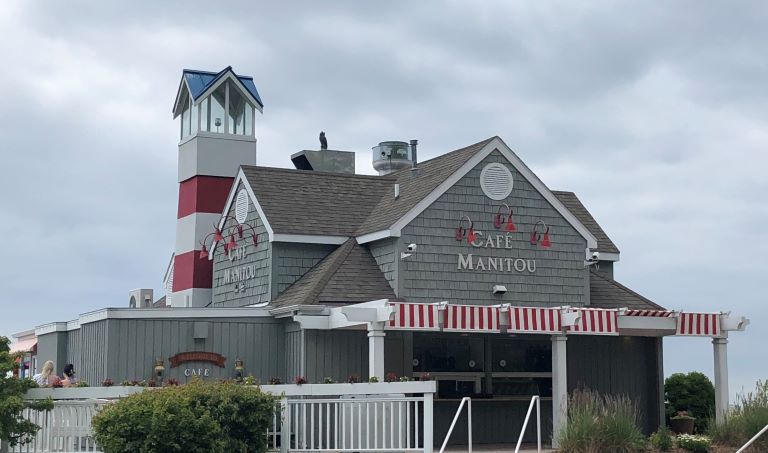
column 239, row 368
column 159, row 370
column 465, row 232
column 540, row 237
column 504, row 219
column 236, row 232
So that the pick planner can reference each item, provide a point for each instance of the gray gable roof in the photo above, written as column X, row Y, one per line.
column 313, row 202
column 608, row 293
column 415, row 188
column 337, row 204
column 572, row 202
column 348, row 275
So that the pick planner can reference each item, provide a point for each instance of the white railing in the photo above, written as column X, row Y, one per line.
column 467, row 400
column 752, row 440
column 536, row 400
column 392, row 416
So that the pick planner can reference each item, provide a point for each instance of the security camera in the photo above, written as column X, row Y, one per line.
column 386, row 153
column 595, row 256
column 499, row 289
column 411, row 248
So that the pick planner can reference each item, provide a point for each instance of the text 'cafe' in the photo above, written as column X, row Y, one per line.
column 464, row 267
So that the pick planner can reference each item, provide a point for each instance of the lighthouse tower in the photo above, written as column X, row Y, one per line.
column 216, row 130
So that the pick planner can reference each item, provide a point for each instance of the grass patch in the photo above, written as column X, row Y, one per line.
column 601, row 423
column 748, row 416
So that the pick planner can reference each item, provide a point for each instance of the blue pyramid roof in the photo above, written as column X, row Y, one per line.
column 200, row 81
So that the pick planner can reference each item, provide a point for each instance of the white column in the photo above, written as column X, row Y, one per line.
column 559, row 386
column 720, row 349
column 376, row 350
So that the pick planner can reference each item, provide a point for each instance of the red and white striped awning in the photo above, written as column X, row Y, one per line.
column 698, row 324
column 534, row 320
column 414, row 317
column 471, row 318
column 491, row 319
column 597, row 321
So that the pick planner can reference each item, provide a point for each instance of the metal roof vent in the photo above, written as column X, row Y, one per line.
column 391, row 156
column 496, row 181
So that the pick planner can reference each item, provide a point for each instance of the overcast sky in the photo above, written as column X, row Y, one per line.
column 654, row 115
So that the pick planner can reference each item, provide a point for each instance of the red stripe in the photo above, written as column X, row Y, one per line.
column 517, row 318
column 421, row 315
column 463, row 317
column 534, row 321
column 454, row 320
column 698, row 324
column 203, row 194
column 682, row 323
column 609, row 322
column 411, row 310
column 432, row 316
column 600, row 322
column 525, row 318
column 189, row 271
column 552, row 320
column 481, row 320
column 472, row 318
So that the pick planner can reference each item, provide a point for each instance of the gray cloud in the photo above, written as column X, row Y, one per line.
column 653, row 114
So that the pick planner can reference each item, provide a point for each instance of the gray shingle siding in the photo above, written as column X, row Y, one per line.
column 384, row 252
column 257, row 289
column 292, row 260
column 431, row 274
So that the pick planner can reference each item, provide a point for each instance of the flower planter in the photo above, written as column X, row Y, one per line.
column 681, row 425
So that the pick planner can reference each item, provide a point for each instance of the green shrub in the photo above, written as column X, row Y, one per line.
column 692, row 392
column 196, row 417
column 694, row 443
column 748, row 416
column 601, row 423
column 662, row 440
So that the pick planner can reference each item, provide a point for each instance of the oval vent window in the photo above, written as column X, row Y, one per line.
column 241, row 206
column 496, row 181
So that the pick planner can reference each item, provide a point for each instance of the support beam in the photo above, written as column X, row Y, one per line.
column 376, row 350
column 559, row 386
column 720, row 349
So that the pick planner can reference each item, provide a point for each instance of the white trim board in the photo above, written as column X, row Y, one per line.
column 310, row 239
column 515, row 161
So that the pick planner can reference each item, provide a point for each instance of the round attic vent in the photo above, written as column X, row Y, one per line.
column 496, row 181
column 241, row 206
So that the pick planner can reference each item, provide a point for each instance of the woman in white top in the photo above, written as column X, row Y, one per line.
column 46, row 378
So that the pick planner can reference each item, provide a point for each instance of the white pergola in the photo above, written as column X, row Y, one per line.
column 378, row 316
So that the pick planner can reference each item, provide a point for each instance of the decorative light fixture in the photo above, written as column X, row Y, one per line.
column 504, row 220
column 540, row 237
column 468, row 232
column 236, row 232
column 159, row 370
column 239, row 368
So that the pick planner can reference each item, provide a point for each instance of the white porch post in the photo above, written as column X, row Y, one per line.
column 720, row 349
column 559, row 386
column 376, row 349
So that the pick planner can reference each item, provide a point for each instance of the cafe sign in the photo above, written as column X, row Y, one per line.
column 488, row 263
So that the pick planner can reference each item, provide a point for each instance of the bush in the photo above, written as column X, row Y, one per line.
column 601, row 423
column 694, row 443
column 215, row 417
column 745, row 419
column 662, row 440
column 692, row 392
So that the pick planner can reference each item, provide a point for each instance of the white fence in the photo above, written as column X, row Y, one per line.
column 386, row 417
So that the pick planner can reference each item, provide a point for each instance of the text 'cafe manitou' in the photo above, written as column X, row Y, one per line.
column 466, row 267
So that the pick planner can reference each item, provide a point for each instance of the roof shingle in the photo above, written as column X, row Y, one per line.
column 573, row 204
column 348, row 275
column 608, row 293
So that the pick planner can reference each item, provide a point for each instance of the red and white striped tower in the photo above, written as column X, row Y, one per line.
column 213, row 146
